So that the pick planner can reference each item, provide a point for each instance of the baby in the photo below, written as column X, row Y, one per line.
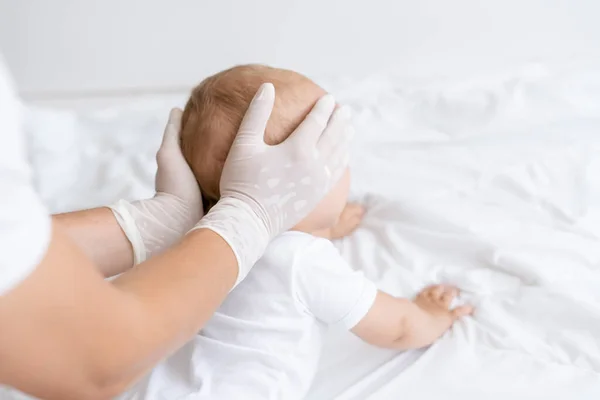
column 264, row 342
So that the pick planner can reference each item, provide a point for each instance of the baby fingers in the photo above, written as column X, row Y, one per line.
column 462, row 311
column 449, row 294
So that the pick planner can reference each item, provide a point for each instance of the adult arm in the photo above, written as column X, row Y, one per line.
column 68, row 333
column 127, row 233
column 100, row 237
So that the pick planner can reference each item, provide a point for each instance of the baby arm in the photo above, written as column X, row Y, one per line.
column 403, row 324
column 346, row 224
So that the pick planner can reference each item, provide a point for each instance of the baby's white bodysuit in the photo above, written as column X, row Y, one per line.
column 265, row 340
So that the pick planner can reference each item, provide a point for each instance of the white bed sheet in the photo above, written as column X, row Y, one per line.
column 491, row 184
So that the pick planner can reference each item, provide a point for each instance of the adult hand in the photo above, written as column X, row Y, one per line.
column 155, row 224
column 266, row 190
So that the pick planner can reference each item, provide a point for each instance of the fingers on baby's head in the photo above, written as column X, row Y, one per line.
column 216, row 107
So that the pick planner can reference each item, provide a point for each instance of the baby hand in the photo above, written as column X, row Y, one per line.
column 349, row 220
column 436, row 317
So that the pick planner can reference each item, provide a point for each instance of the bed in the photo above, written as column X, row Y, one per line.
column 490, row 183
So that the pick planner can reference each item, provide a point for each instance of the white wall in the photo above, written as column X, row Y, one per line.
column 85, row 46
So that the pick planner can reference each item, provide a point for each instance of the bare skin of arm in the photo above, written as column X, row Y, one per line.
column 100, row 237
column 65, row 320
column 403, row 324
column 67, row 333
column 347, row 223
column 400, row 323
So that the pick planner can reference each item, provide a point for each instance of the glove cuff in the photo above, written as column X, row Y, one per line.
column 122, row 211
column 244, row 231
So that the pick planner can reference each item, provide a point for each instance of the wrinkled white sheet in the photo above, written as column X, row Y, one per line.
column 497, row 190
column 491, row 184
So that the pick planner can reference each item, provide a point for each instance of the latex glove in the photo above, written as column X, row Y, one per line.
column 266, row 190
column 155, row 224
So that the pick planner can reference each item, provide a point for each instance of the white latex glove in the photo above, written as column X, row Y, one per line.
column 155, row 224
column 265, row 190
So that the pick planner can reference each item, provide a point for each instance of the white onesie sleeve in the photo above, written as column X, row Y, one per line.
column 24, row 222
column 329, row 289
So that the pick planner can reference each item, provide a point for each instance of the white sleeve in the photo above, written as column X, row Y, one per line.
column 24, row 222
column 329, row 289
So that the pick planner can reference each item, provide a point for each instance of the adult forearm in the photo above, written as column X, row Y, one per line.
column 183, row 286
column 100, row 237
column 108, row 333
column 174, row 302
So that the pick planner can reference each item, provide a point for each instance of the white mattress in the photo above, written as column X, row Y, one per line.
column 491, row 184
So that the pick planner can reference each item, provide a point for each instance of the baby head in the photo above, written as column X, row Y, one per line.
column 215, row 110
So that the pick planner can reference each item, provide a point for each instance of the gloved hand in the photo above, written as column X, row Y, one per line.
column 266, row 190
column 155, row 224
